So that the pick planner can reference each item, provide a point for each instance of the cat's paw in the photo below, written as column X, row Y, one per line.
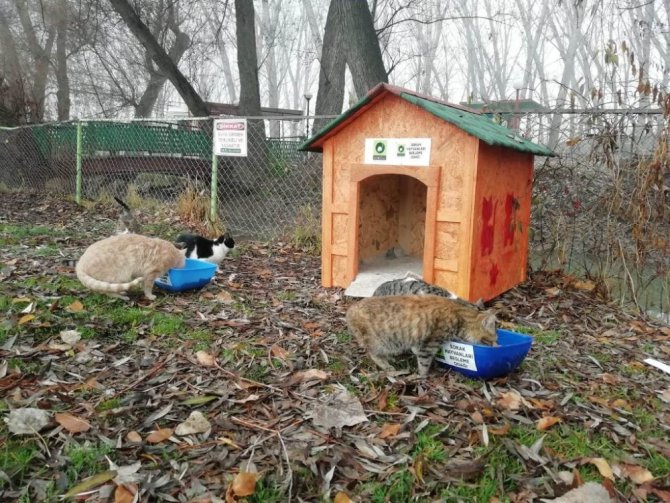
column 150, row 296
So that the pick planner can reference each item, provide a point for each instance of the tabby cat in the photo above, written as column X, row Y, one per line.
column 388, row 326
column 414, row 285
column 118, row 263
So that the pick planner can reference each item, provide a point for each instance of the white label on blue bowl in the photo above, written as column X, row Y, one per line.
column 459, row 355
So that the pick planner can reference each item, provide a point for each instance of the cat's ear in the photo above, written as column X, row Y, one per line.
column 180, row 245
column 489, row 321
column 480, row 303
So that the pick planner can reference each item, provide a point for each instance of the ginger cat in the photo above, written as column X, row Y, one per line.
column 118, row 263
column 391, row 325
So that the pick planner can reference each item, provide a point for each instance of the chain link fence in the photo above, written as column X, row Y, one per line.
column 600, row 209
column 258, row 196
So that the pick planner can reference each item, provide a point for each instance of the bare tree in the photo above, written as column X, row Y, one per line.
column 193, row 101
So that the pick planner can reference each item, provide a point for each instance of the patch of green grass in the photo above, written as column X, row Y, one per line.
column 110, row 404
column 167, row 324
column 398, row 488
column 266, row 492
column 500, row 468
column 543, row 336
column 286, row 295
column 86, row 459
column 256, row 372
column 25, row 366
column 242, row 308
column 336, row 366
column 130, row 335
column 203, row 339
column 428, row 446
column 47, row 251
column 343, row 337
column 602, row 357
column 15, row 458
column 124, row 315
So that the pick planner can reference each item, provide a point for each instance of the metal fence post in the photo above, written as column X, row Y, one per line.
column 214, row 190
column 77, row 196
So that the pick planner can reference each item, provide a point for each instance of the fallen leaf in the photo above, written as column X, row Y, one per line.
column 665, row 395
column 225, row 297
column 205, row 359
column 134, row 437
column 503, row 430
column 30, row 308
column 341, row 498
column 620, row 403
column 511, row 400
column 90, row 483
column 26, row 318
column 125, row 493
column 552, row 292
column 638, row 474
column 70, row 337
column 587, row 285
column 195, row 423
column 27, row 421
column 547, row 422
column 341, row 409
column 602, row 465
column 71, row 423
column 75, row 307
column 244, row 484
column 307, row 375
column 390, row 430
column 278, row 352
column 157, row 436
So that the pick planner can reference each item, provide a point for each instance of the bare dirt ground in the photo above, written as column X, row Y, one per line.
column 261, row 362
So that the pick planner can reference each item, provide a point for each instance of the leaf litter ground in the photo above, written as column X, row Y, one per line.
column 251, row 389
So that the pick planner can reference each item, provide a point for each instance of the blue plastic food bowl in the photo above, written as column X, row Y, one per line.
column 486, row 362
column 194, row 274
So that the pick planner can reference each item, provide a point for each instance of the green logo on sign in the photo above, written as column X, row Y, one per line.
column 380, row 147
column 401, row 150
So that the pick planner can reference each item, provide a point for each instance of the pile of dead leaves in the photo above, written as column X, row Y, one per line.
column 279, row 404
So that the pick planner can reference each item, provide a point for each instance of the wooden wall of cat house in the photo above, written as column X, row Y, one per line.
column 464, row 196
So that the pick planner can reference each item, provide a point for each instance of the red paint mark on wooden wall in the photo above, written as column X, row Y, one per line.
column 488, row 226
column 493, row 274
column 511, row 207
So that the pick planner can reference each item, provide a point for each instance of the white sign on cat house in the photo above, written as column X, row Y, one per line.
column 399, row 151
column 230, row 137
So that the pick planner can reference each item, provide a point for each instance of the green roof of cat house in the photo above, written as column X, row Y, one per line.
column 411, row 183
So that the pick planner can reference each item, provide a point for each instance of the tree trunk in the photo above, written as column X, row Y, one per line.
column 13, row 98
column 249, row 171
column 62, row 79
column 247, row 60
column 193, row 101
column 269, row 41
column 364, row 57
column 333, row 65
column 40, row 56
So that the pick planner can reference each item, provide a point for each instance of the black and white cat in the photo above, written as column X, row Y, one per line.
column 209, row 250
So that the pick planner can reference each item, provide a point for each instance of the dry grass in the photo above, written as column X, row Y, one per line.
column 193, row 208
column 306, row 233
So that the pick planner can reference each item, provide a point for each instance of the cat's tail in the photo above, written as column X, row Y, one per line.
column 104, row 286
column 123, row 205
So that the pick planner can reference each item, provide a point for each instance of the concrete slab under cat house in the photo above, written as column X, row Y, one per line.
column 407, row 174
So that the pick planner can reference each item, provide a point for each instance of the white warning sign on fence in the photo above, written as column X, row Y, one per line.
column 230, row 137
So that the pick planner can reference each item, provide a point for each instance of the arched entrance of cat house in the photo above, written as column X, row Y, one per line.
column 394, row 211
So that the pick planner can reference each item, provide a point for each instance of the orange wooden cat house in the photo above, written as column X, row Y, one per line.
column 413, row 184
